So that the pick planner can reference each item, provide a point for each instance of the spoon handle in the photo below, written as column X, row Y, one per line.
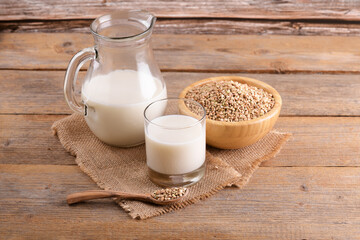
column 96, row 194
column 88, row 195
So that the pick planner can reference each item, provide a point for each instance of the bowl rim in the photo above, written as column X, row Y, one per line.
column 250, row 81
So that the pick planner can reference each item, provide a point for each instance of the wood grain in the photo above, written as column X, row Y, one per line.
column 214, row 53
column 41, row 92
column 28, row 139
column 316, row 141
column 278, row 203
column 248, row 9
column 199, row 26
column 319, row 142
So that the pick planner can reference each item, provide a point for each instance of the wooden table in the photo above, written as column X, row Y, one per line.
column 308, row 51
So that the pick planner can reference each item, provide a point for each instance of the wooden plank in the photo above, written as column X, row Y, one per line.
column 28, row 139
column 248, row 9
column 302, row 94
column 41, row 92
column 278, row 203
column 319, row 142
column 316, row 141
column 33, row 92
column 199, row 26
column 215, row 53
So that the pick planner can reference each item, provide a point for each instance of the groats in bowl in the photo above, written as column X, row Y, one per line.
column 237, row 134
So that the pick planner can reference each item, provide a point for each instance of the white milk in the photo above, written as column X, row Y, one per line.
column 116, row 102
column 175, row 151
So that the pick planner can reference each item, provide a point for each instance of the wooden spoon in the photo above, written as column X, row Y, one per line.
column 159, row 197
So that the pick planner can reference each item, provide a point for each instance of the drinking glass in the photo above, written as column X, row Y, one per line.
column 175, row 139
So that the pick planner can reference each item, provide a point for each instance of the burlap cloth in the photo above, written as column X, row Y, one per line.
column 124, row 169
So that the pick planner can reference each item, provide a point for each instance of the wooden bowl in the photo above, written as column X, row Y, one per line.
column 233, row 135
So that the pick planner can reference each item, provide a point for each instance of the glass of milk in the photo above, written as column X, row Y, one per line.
column 175, row 140
column 121, row 80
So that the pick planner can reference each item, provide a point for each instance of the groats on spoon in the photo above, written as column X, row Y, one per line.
column 160, row 197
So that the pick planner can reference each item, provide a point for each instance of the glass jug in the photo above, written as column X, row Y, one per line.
column 122, row 79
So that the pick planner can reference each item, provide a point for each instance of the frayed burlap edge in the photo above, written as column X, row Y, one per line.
column 255, row 165
column 72, row 151
column 178, row 206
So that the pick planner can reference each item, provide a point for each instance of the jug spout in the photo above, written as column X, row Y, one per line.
column 122, row 41
column 123, row 26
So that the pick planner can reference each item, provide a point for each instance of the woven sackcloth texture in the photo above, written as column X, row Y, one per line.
column 124, row 169
column 246, row 160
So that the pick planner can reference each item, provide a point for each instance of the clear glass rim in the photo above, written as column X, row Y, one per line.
column 203, row 116
column 125, row 38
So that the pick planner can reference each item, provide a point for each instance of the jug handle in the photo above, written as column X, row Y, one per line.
column 71, row 75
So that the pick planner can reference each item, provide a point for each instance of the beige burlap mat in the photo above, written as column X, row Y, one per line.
column 124, row 169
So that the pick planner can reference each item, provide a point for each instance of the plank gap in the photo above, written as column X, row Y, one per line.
column 230, row 18
column 202, row 71
column 261, row 166
column 229, row 71
column 68, row 114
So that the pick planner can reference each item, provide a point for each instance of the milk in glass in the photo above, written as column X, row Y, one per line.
column 175, row 144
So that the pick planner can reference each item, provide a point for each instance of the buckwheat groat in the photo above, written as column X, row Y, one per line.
column 231, row 101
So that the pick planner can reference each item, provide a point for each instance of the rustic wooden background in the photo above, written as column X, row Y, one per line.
column 308, row 50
